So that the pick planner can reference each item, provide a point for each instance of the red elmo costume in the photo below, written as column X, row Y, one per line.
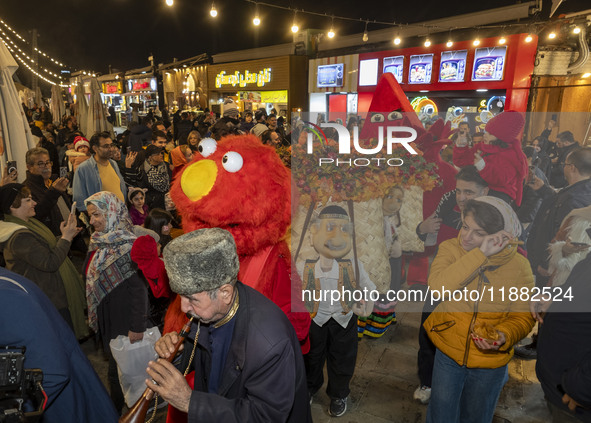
column 244, row 188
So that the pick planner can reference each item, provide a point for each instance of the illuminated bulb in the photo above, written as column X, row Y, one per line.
column 330, row 33
column 449, row 43
column 169, row 3
column 397, row 40
column 295, row 28
column 502, row 40
column 476, row 42
column 256, row 21
column 213, row 12
column 552, row 35
column 576, row 30
column 427, row 42
column 528, row 38
column 365, row 37
column 586, row 75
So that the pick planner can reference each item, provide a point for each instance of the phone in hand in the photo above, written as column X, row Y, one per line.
column 63, row 172
column 73, row 209
column 11, row 166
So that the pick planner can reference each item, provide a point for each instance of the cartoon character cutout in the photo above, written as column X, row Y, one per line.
column 332, row 235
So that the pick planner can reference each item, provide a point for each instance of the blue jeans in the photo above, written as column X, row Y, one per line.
column 463, row 395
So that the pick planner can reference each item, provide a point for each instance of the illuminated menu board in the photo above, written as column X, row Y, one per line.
column 395, row 66
column 420, row 69
column 453, row 66
column 330, row 75
column 489, row 64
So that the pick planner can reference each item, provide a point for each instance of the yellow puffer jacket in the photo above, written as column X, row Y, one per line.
column 449, row 326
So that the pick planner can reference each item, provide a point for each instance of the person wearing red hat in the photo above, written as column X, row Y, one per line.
column 80, row 153
column 499, row 158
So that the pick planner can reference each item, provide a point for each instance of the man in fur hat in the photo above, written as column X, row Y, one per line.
column 247, row 359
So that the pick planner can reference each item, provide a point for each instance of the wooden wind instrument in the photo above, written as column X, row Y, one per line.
column 137, row 413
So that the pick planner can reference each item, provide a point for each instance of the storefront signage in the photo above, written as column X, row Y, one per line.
column 274, row 96
column 489, row 64
column 112, row 88
column 395, row 66
column 330, row 75
column 368, row 72
column 142, row 84
column 420, row 68
column 453, row 66
column 243, row 79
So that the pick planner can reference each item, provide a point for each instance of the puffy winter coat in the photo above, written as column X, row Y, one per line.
column 450, row 325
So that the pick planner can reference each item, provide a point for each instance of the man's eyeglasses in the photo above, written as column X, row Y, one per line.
column 107, row 146
column 44, row 164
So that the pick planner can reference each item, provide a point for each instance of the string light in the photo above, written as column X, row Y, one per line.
column 427, row 42
column 502, row 40
column 294, row 27
column 586, row 75
column 397, row 40
column 476, row 42
column 528, row 38
column 449, row 43
column 576, row 30
column 331, row 30
column 213, row 12
column 552, row 35
column 365, row 34
column 256, row 20
column 169, row 3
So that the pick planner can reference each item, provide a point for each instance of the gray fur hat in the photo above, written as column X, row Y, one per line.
column 202, row 260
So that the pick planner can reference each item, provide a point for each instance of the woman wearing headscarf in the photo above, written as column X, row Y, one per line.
column 180, row 156
column 32, row 250
column 117, row 296
column 479, row 321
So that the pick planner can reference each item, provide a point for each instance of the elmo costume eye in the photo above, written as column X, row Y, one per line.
column 377, row 118
column 396, row 115
column 207, row 147
column 232, row 161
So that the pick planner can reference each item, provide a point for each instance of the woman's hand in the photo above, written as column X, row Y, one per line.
column 130, row 158
column 8, row 178
column 492, row 244
column 483, row 344
column 68, row 228
column 135, row 336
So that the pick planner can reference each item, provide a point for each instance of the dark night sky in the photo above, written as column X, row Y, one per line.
column 91, row 34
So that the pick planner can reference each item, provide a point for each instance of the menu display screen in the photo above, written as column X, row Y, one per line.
column 420, row 69
column 453, row 66
column 489, row 64
column 330, row 75
column 395, row 66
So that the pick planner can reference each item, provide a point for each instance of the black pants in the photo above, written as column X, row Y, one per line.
column 114, row 385
column 338, row 347
column 426, row 354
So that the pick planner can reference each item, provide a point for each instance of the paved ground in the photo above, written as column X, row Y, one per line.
column 386, row 377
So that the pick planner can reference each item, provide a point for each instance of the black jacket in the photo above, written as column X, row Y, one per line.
column 564, row 345
column 46, row 210
column 552, row 212
column 264, row 379
column 139, row 136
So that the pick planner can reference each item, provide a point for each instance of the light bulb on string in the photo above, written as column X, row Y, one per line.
column 528, row 38
column 397, row 40
column 502, row 40
column 552, row 35
column 365, row 34
column 294, row 27
column 576, row 30
column 213, row 12
column 169, row 3
column 427, row 42
column 331, row 33
column 256, row 20
column 449, row 43
column 476, row 42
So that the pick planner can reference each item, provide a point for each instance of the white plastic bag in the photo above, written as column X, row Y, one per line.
column 132, row 361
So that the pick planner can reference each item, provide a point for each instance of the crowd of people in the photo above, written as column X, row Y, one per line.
column 519, row 217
